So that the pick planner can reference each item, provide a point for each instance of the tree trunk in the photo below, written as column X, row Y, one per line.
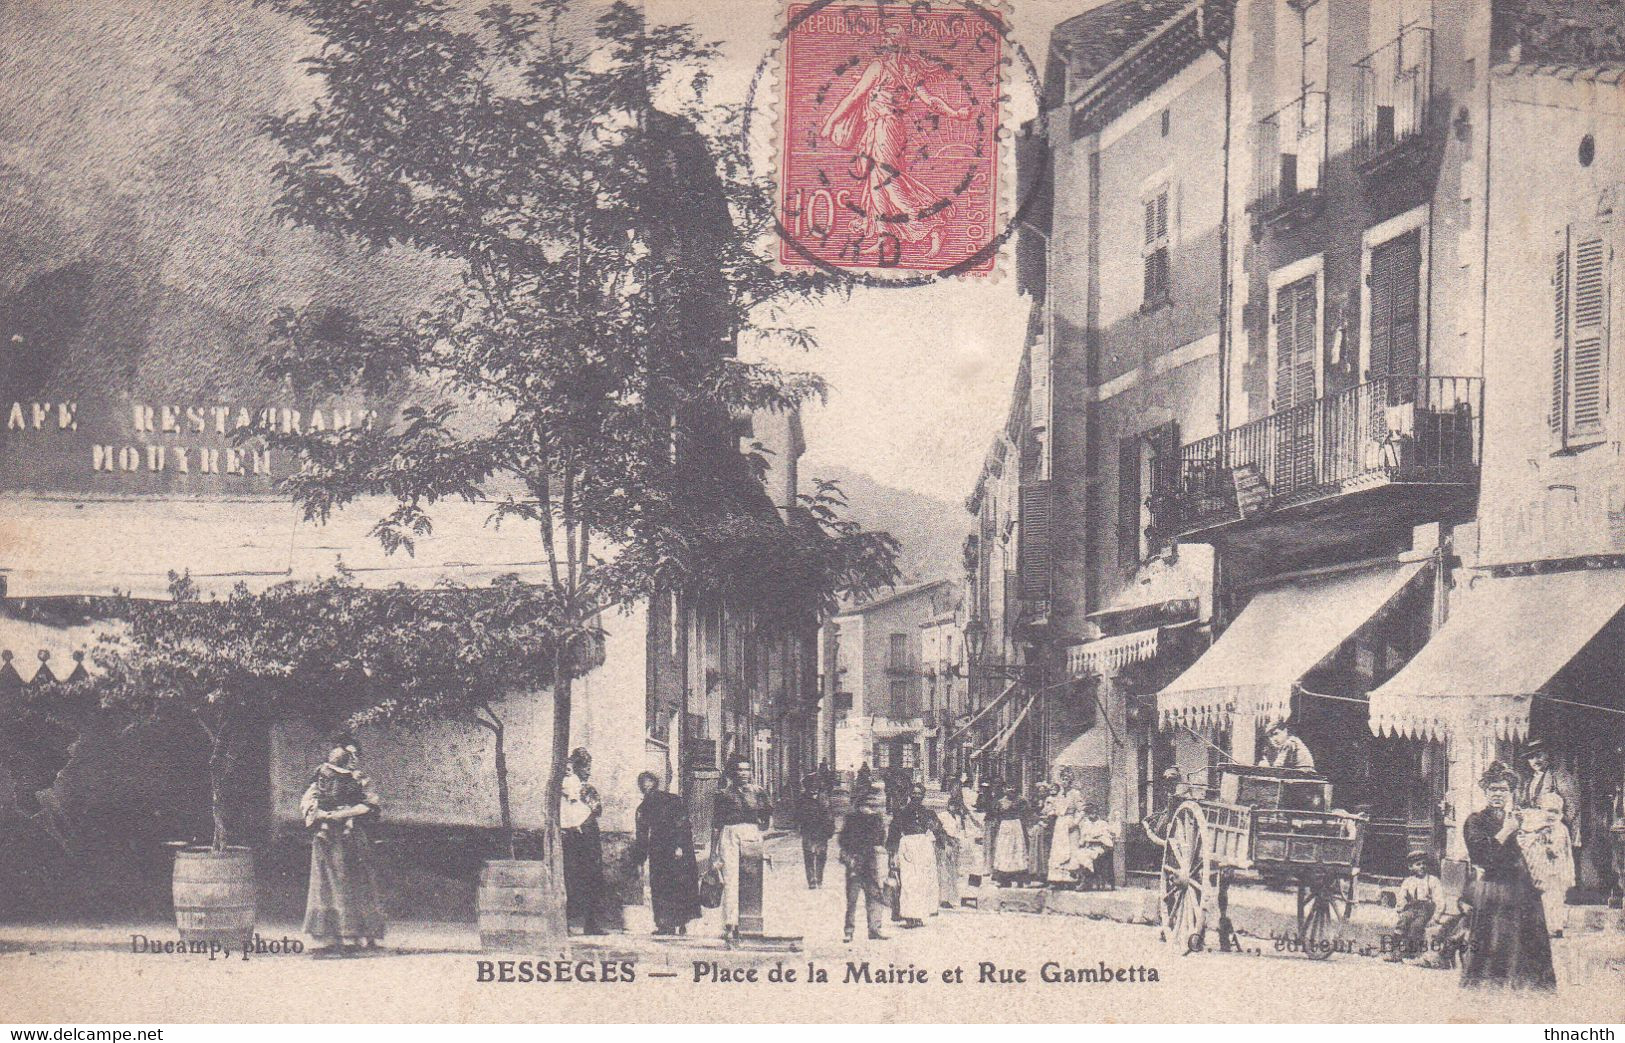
column 499, row 755
column 219, row 761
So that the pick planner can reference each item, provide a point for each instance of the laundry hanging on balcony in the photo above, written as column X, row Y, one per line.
column 1281, row 635
column 1504, row 641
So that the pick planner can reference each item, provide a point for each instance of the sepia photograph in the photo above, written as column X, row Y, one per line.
column 785, row 512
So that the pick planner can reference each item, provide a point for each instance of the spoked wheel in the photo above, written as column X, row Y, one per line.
column 1185, row 876
column 1323, row 902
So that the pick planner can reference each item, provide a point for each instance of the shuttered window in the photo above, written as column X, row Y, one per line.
column 1033, row 548
column 1395, row 286
column 1296, row 341
column 1154, row 251
column 1582, row 274
column 1130, row 500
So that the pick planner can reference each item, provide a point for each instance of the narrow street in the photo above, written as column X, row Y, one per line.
column 1002, row 960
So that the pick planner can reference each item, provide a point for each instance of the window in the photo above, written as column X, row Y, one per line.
column 1154, row 251
column 1145, row 462
column 1395, row 288
column 900, row 708
column 1296, row 328
column 1582, row 306
column 897, row 654
column 1166, row 122
column 1129, row 495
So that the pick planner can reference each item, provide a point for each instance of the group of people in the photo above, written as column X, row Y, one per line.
column 1521, row 851
column 1054, row 838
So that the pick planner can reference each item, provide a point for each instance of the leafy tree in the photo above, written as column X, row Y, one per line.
column 328, row 652
column 600, row 229
column 223, row 664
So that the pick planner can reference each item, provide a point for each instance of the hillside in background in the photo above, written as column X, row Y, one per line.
column 931, row 531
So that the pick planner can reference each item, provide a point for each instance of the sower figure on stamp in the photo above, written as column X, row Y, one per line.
column 872, row 121
column 863, row 853
column 583, row 847
column 342, row 908
column 737, row 820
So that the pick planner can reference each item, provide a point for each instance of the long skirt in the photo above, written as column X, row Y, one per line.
column 1507, row 946
column 734, row 838
column 674, row 887
column 1063, row 868
column 583, row 875
column 1038, row 848
column 1010, row 847
column 948, row 873
column 343, row 901
column 917, row 876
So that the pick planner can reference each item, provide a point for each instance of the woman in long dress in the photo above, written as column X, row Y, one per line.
column 1507, row 945
column 911, row 842
column 1047, row 805
column 1063, row 850
column 1544, row 841
column 342, row 908
column 1009, row 840
column 665, row 839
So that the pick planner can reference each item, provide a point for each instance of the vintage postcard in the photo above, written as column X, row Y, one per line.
column 788, row 511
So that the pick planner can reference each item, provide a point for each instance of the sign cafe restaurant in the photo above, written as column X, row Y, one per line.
column 114, row 495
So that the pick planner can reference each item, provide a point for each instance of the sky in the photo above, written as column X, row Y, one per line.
column 920, row 376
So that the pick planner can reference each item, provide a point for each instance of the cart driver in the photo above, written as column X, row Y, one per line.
column 1286, row 750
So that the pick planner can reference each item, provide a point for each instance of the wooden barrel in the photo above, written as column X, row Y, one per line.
column 517, row 909
column 214, row 895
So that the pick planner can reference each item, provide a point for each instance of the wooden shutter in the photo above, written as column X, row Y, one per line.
column 1582, row 287
column 1588, row 330
column 1396, row 270
column 1296, row 315
column 1557, row 414
column 1155, row 249
column 1129, row 496
column 1033, row 550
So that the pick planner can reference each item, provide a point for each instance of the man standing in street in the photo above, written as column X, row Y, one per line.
column 863, row 853
column 816, row 823
column 1544, row 780
column 583, row 847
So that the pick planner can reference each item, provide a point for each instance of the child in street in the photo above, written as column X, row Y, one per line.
column 1421, row 899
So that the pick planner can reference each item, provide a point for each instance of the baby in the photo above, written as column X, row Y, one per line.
column 1544, row 840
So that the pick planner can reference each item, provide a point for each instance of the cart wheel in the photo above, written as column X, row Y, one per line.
column 1319, row 901
column 1185, row 876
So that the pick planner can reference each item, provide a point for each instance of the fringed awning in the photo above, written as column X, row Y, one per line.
column 38, row 653
column 1281, row 635
column 1504, row 641
column 1110, row 654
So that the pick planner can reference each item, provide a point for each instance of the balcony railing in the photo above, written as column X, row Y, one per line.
column 1290, row 149
column 1390, row 430
column 1392, row 89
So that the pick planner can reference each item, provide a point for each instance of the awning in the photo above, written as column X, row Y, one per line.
column 1282, row 634
column 28, row 647
column 1109, row 654
column 984, row 711
column 1504, row 641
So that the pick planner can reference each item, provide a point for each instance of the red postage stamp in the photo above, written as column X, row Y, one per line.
column 889, row 156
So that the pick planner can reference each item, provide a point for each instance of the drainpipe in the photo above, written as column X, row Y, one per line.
column 1224, row 235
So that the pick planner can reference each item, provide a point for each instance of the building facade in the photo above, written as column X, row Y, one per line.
column 885, row 715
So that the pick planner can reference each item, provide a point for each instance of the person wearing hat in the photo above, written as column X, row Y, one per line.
column 1421, row 898
column 1507, row 945
column 863, row 853
column 1539, row 792
column 740, row 813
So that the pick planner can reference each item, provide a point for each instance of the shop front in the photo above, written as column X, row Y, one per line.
column 1527, row 663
